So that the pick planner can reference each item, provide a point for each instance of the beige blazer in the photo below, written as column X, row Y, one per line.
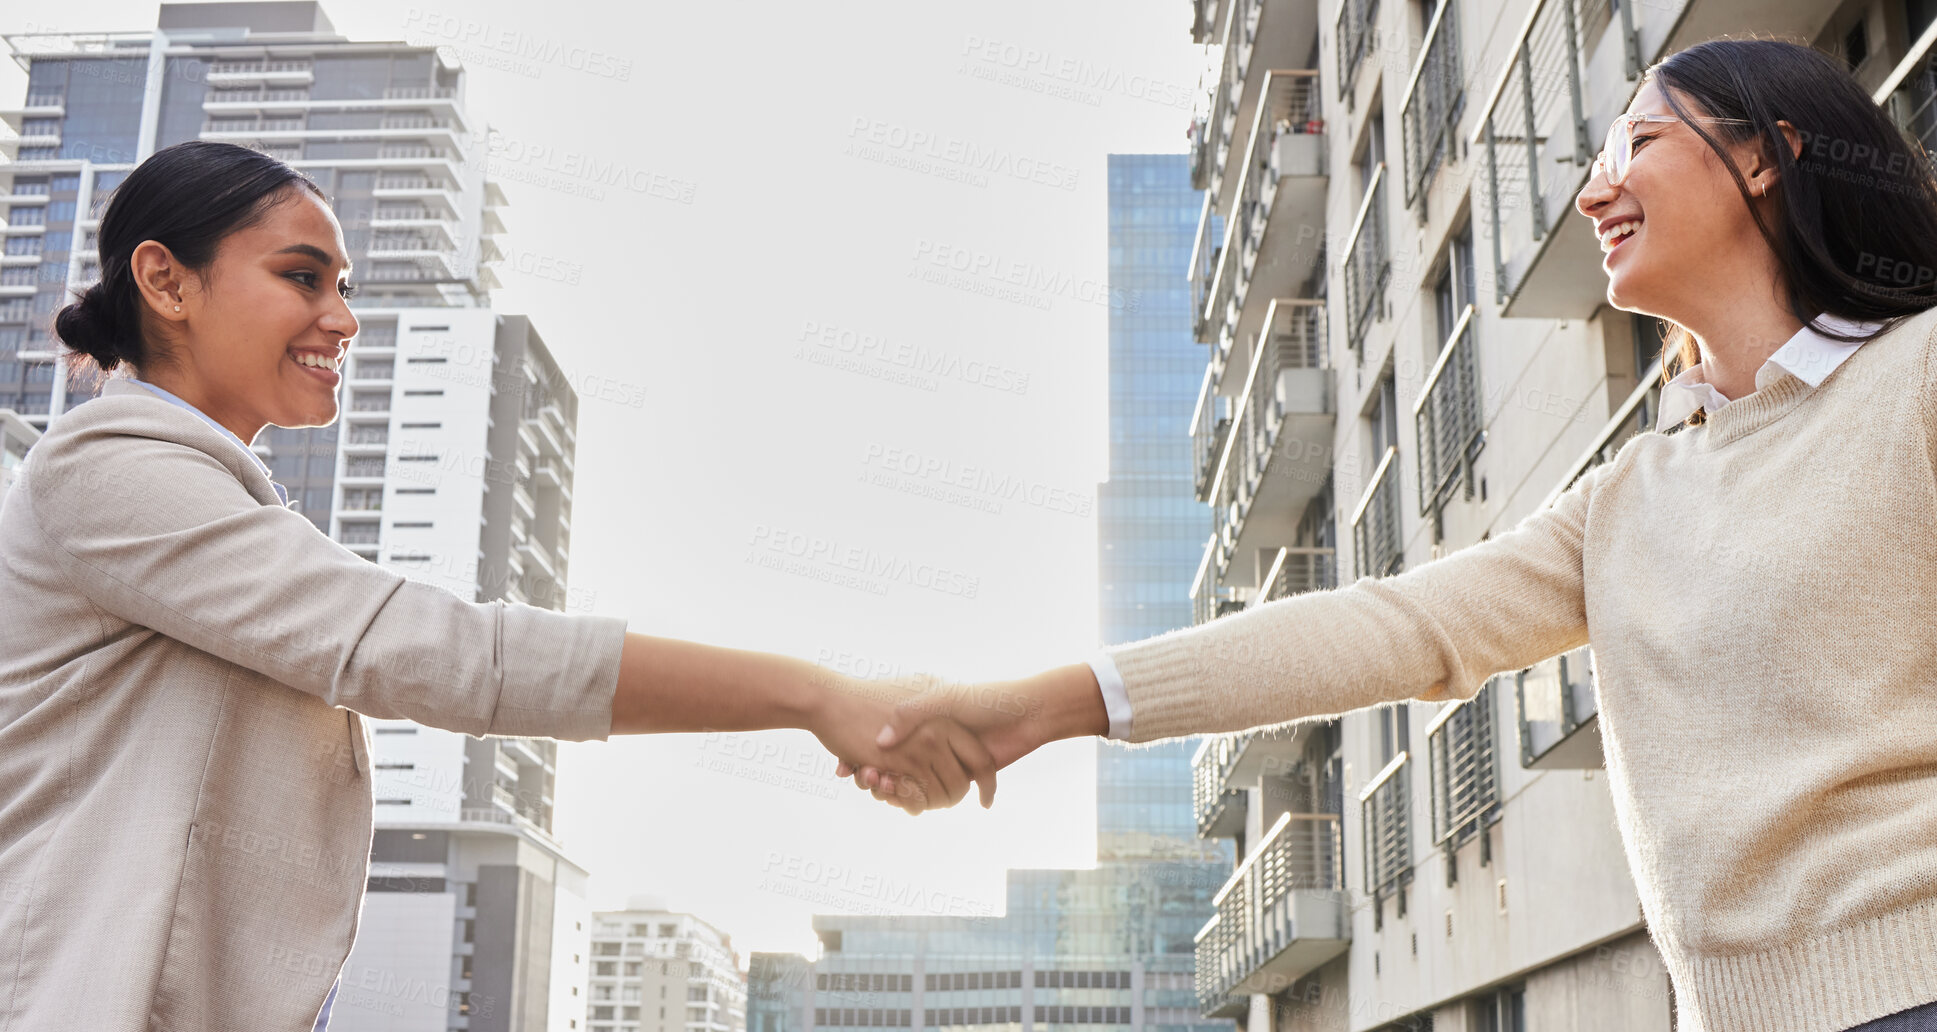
column 185, row 807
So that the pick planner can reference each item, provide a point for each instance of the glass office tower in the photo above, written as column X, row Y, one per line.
column 1111, row 947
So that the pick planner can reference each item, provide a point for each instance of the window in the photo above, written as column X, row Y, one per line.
column 1502, row 1011
column 1450, row 421
column 1465, row 778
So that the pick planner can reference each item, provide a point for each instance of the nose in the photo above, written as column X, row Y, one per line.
column 1595, row 193
column 339, row 318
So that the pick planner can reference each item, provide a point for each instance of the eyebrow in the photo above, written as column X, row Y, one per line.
column 312, row 251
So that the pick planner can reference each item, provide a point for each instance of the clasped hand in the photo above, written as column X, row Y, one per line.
column 917, row 742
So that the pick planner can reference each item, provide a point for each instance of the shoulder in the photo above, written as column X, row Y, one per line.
column 122, row 443
column 126, row 414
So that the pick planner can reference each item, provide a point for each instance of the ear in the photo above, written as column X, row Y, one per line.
column 1763, row 175
column 160, row 279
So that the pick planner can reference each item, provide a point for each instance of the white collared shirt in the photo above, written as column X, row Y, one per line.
column 1809, row 355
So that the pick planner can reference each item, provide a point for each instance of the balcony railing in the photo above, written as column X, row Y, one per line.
column 1356, row 20
column 1218, row 806
column 419, row 93
column 1286, row 138
column 263, row 67
column 1205, row 255
column 1449, row 419
column 1465, row 775
column 1570, row 70
column 1295, row 571
column 1209, row 599
column 1375, row 522
column 1367, row 261
column 1210, row 422
column 256, row 96
column 1435, row 98
column 1289, row 379
column 1385, row 807
column 1279, row 917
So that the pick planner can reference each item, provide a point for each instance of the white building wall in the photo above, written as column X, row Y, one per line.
column 417, row 772
column 398, row 978
column 436, row 464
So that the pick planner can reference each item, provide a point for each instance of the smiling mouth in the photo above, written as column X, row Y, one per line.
column 328, row 376
column 1619, row 235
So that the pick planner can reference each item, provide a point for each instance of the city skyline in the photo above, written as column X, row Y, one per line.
column 987, row 315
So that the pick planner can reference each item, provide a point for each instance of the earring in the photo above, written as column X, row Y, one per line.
column 178, row 308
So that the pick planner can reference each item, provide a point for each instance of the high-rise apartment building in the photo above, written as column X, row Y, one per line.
column 451, row 461
column 1410, row 351
column 656, row 970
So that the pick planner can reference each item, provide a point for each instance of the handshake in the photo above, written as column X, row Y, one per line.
column 918, row 742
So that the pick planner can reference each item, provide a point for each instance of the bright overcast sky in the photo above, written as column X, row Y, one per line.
column 778, row 221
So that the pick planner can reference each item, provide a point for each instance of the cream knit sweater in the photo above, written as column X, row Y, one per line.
column 1761, row 596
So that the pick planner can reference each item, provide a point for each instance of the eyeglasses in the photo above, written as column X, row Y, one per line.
column 1617, row 153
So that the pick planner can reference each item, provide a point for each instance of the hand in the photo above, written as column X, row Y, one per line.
column 1011, row 718
column 934, row 763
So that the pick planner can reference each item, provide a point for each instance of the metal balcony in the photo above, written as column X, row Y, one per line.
column 1275, row 240
column 1276, row 456
column 1377, row 550
column 1573, row 67
column 1210, row 600
column 1280, row 917
column 1434, row 100
column 1217, row 804
column 1449, row 419
column 1295, row 571
column 1210, row 422
column 1368, row 262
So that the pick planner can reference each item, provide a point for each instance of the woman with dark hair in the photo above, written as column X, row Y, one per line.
column 1758, row 580
column 185, row 805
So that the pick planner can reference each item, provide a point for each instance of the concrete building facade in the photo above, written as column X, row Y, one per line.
column 1410, row 351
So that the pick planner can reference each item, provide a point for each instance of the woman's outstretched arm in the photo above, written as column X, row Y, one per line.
column 1435, row 632
column 666, row 684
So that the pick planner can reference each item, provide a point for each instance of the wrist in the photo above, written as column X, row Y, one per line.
column 1073, row 704
column 816, row 704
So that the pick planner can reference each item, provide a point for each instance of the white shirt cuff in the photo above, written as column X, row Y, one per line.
column 1116, row 698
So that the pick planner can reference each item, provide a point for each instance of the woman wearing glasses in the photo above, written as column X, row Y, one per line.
column 1759, row 586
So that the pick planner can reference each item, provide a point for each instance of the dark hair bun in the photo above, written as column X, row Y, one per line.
column 91, row 326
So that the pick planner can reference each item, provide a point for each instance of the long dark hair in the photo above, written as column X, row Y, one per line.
column 1859, row 204
column 187, row 197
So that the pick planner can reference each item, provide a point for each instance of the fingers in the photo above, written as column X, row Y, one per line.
column 975, row 760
